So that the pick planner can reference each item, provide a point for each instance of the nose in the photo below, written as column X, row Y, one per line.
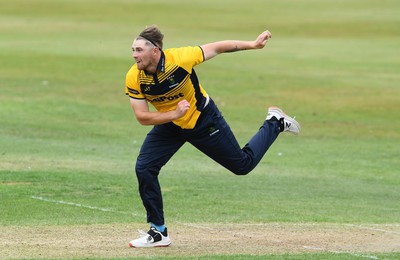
column 134, row 54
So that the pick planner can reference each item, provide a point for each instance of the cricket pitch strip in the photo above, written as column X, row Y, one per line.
column 198, row 239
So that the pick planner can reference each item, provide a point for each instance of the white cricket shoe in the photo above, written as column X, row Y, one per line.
column 153, row 238
column 287, row 123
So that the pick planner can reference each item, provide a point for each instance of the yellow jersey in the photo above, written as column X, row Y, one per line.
column 175, row 80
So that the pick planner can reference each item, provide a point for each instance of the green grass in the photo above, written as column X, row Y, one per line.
column 67, row 132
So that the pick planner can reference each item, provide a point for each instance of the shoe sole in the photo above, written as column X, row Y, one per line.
column 161, row 245
column 292, row 120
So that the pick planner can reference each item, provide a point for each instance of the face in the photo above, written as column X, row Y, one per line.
column 144, row 55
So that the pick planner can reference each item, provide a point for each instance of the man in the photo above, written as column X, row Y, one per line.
column 186, row 113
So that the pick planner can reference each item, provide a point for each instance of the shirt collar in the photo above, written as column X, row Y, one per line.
column 161, row 63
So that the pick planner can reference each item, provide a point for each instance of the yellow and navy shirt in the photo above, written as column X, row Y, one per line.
column 175, row 80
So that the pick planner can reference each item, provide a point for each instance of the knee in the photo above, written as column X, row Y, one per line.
column 139, row 172
column 241, row 168
column 144, row 171
column 140, row 169
column 241, row 172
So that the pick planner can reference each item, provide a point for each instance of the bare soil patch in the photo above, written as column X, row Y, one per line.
column 190, row 239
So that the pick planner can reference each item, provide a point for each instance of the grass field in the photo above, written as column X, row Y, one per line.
column 69, row 140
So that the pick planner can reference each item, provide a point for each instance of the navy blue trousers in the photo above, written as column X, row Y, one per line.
column 212, row 136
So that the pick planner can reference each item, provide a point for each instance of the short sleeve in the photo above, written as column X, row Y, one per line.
column 132, row 85
column 187, row 57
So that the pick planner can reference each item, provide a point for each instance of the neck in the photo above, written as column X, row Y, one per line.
column 152, row 68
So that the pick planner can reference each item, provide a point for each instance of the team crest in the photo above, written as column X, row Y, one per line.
column 171, row 80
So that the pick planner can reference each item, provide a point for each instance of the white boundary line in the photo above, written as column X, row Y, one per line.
column 80, row 205
column 373, row 229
